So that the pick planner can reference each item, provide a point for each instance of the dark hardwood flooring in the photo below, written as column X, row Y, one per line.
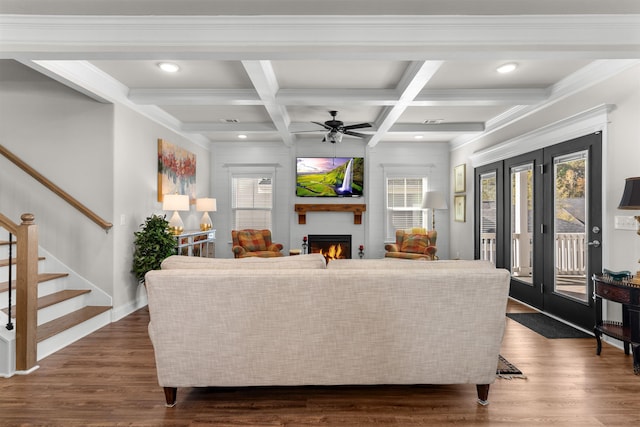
column 109, row 378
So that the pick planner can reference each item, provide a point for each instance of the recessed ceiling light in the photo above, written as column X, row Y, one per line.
column 242, row 136
column 507, row 68
column 168, row 67
column 433, row 121
column 418, row 136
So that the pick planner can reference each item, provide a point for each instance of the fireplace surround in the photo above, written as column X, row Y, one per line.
column 332, row 246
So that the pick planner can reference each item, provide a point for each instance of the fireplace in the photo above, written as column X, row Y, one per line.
column 332, row 246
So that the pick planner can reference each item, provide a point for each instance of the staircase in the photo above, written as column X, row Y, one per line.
column 69, row 307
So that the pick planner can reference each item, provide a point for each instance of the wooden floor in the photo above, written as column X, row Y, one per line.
column 109, row 378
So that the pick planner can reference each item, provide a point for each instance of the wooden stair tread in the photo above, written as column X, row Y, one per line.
column 63, row 323
column 5, row 262
column 42, row 277
column 52, row 299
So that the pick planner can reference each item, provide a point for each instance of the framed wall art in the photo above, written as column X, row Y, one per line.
column 459, row 178
column 460, row 208
column 176, row 171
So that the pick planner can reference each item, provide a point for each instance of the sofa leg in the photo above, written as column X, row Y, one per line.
column 170, row 394
column 483, row 394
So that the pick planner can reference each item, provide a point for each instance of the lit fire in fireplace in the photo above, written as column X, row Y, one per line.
column 334, row 252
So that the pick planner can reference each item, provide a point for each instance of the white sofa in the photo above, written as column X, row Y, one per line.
column 291, row 321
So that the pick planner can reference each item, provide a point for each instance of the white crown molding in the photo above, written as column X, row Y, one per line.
column 113, row 36
column 588, row 76
column 93, row 82
column 589, row 121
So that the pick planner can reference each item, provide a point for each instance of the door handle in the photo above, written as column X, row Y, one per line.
column 595, row 243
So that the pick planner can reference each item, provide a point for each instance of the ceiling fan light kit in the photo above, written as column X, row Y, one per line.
column 337, row 129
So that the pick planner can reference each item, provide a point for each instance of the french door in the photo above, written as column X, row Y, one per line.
column 546, row 216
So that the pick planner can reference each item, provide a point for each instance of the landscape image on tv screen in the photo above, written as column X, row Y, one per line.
column 329, row 176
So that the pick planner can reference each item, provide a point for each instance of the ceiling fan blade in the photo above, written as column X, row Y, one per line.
column 323, row 125
column 357, row 126
column 358, row 134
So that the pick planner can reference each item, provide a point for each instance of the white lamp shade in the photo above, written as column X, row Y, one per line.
column 206, row 204
column 434, row 200
column 175, row 202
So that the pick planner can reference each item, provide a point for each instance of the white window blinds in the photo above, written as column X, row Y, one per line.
column 252, row 202
column 404, row 204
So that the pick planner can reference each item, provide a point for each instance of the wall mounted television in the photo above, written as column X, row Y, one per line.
column 329, row 176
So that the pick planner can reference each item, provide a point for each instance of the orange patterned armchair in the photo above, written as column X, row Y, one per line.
column 415, row 243
column 257, row 243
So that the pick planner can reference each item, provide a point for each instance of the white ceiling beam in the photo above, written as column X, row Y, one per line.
column 195, row 97
column 479, row 97
column 264, row 80
column 347, row 37
column 464, row 127
column 413, row 81
column 228, row 127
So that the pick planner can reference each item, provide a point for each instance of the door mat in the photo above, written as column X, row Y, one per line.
column 507, row 370
column 547, row 326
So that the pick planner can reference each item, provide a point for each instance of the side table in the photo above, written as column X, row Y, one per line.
column 627, row 294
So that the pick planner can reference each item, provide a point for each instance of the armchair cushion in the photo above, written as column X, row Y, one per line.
column 414, row 243
column 252, row 242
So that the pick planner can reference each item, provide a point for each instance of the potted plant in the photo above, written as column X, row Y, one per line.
column 153, row 243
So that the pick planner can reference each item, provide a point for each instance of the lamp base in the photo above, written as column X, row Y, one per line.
column 205, row 222
column 176, row 230
column 176, row 226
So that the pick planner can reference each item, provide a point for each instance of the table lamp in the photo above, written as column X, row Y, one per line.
column 206, row 205
column 175, row 203
column 433, row 200
column 631, row 201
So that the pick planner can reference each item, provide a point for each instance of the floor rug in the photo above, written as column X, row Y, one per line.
column 547, row 326
column 507, row 370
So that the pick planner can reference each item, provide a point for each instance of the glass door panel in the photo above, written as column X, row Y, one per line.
column 570, row 224
column 488, row 216
column 521, row 236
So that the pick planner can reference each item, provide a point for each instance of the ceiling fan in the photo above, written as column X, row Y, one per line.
column 336, row 129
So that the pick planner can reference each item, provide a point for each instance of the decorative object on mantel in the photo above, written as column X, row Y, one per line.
column 206, row 205
column 631, row 201
column 357, row 210
column 305, row 245
column 361, row 251
column 433, row 200
column 175, row 203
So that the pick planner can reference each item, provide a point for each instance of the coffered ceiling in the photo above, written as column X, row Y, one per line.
column 424, row 73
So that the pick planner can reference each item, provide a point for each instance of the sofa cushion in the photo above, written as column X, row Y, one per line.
column 308, row 261
column 252, row 242
column 414, row 243
column 408, row 264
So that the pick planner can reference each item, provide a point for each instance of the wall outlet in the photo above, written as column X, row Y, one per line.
column 625, row 223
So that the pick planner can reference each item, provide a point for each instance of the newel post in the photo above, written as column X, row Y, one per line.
column 26, row 293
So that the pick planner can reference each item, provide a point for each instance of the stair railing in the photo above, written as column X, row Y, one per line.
column 57, row 190
column 26, row 262
column 10, row 283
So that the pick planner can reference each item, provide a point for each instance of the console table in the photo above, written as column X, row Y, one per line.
column 627, row 331
column 197, row 243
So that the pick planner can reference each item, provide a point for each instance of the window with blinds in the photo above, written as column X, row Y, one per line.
column 252, row 202
column 404, row 204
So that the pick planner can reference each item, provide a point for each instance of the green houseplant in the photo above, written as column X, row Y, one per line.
column 153, row 243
